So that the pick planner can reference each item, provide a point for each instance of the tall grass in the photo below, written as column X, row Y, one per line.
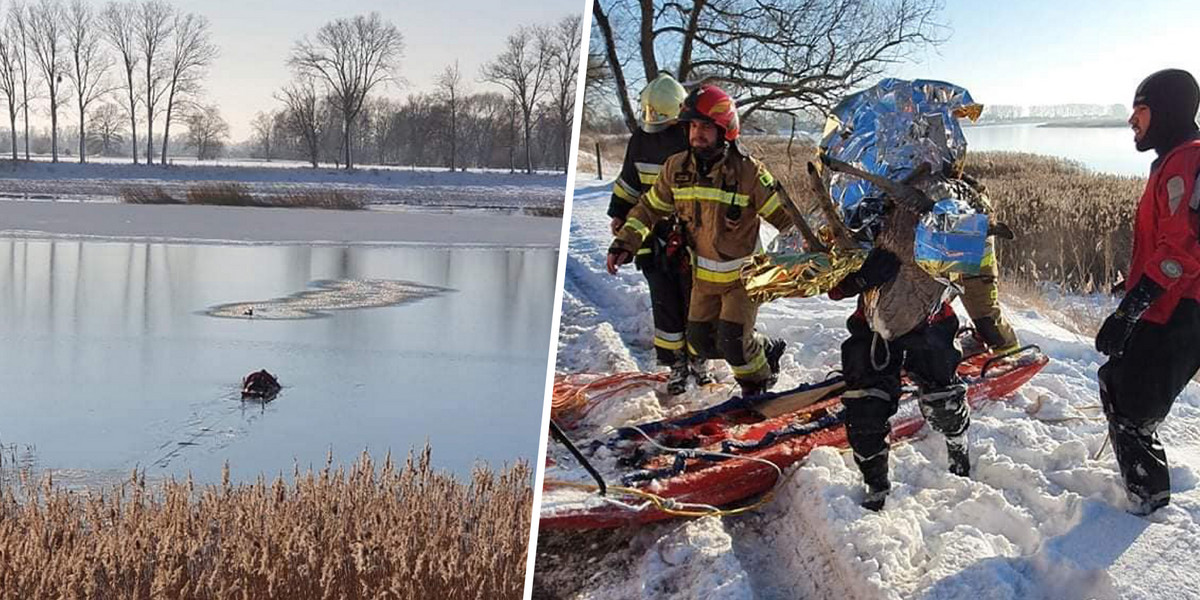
column 373, row 532
column 236, row 194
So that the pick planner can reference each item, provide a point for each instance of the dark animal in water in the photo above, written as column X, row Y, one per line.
column 260, row 385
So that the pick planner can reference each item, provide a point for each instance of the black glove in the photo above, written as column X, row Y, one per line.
column 879, row 268
column 1114, row 333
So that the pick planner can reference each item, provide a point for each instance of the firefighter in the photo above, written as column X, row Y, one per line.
column 663, row 257
column 1150, row 338
column 720, row 194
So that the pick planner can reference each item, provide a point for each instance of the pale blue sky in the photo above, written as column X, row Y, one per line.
column 255, row 38
column 1052, row 52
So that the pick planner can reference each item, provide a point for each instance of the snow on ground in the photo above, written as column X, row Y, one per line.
column 1039, row 518
column 104, row 179
column 249, row 225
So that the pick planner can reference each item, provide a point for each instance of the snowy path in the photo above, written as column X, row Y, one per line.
column 1038, row 519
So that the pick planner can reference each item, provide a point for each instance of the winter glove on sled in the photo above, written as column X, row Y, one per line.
column 1114, row 334
column 879, row 268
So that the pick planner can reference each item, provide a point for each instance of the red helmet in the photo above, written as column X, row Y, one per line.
column 711, row 103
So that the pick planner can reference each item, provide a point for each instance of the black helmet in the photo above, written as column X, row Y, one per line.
column 1173, row 98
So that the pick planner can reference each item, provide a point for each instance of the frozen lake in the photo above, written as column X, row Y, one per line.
column 110, row 361
column 1103, row 149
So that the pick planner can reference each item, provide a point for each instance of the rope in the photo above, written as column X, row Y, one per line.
column 887, row 349
column 576, row 394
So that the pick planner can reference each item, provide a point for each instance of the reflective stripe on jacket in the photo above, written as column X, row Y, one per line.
column 721, row 209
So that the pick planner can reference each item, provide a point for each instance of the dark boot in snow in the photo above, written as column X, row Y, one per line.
column 774, row 348
column 677, row 380
column 960, row 459
column 1142, row 507
column 700, row 371
column 875, row 497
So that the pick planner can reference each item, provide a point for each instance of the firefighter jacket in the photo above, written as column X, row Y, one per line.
column 720, row 208
column 644, row 157
column 1165, row 246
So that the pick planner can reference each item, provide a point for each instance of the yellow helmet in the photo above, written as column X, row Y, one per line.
column 662, row 100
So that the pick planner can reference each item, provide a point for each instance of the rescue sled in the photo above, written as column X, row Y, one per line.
column 733, row 452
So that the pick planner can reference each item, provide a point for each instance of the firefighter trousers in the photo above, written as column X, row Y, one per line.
column 721, row 326
column 670, row 291
column 1137, row 391
column 981, row 298
column 872, row 368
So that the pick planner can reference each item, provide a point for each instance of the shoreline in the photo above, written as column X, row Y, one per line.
column 238, row 225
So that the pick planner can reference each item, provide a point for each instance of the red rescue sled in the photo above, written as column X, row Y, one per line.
column 735, row 427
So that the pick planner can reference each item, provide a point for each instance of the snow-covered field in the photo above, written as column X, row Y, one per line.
column 1039, row 518
column 249, row 225
column 103, row 179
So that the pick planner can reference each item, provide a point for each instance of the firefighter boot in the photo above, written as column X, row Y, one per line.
column 960, row 460
column 700, row 371
column 677, row 379
column 875, row 497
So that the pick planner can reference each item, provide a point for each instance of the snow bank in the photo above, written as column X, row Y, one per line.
column 379, row 185
column 1039, row 518
column 236, row 224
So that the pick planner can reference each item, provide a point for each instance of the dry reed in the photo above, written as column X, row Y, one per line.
column 237, row 194
column 389, row 532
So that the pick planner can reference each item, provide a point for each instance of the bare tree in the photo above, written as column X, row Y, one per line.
column 788, row 56
column 118, row 23
column 521, row 69
column 207, row 132
column 46, row 36
column 192, row 53
column 264, row 127
column 153, row 28
column 564, row 72
column 302, row 115
column 352, row 57
column 611, row 59
column 106, row 129
column 450, row 86
column 18, row 23
column 9, row 76
column 88, row 64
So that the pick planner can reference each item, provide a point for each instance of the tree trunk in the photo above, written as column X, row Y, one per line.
column 528, row 152
column 646, row 40
column 12, row 129
column 346, row 138
column 685, row 52
column 453, row 136
column 564, row 136
column 25, row 91
column 167, row 124
column 82, row 135
column 132, row 116
column 614, row 63
column 53, row 127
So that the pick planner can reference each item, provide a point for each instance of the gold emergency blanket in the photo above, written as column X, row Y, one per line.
column 768, row 277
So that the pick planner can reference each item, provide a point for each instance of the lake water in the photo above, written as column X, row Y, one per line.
column 1103, row 149
column 110, row 361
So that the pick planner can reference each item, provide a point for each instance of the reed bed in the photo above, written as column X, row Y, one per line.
column 387, row 531
column 236, row 194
